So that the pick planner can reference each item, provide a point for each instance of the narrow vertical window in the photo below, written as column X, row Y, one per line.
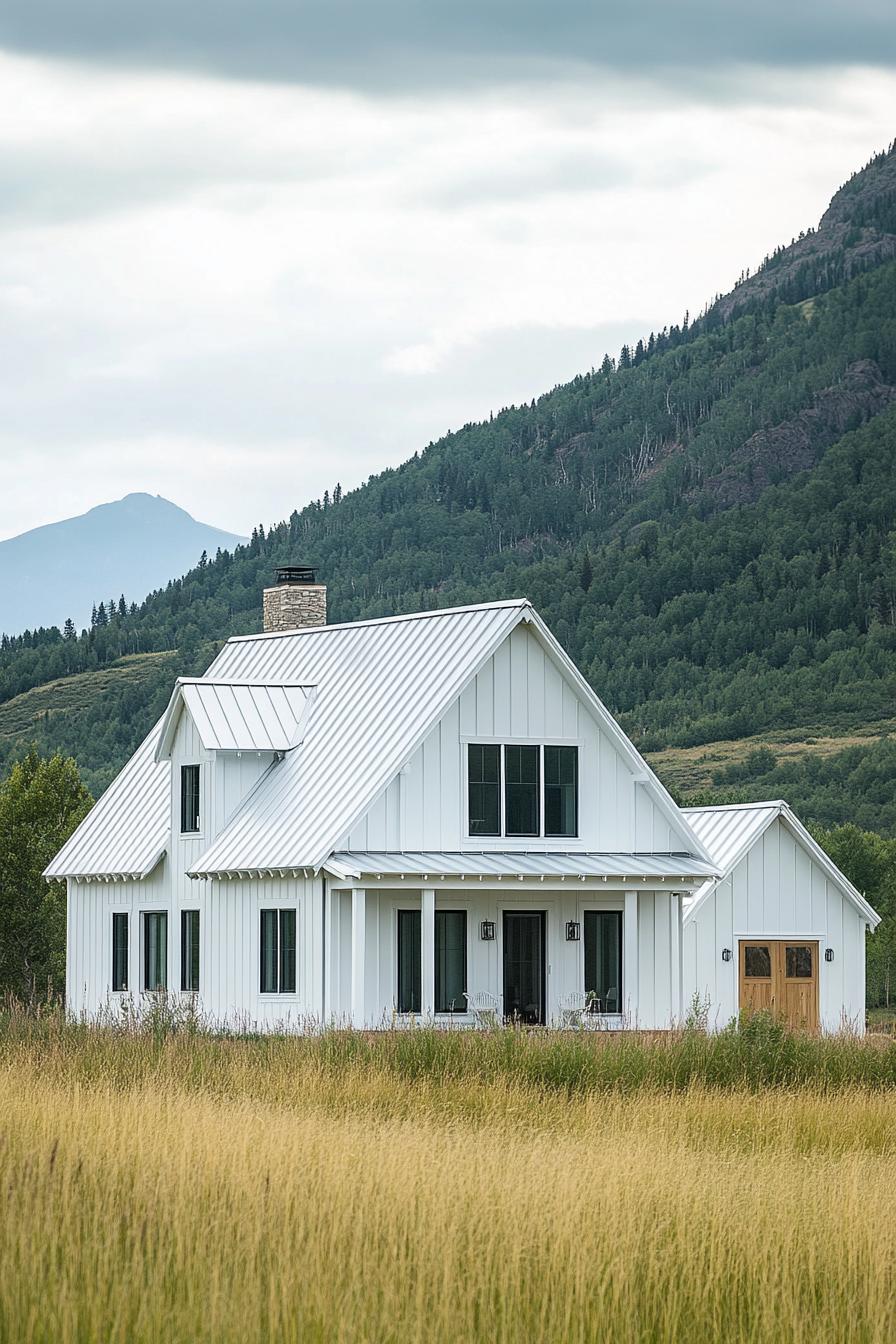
column 155, row 949
column 521, row 790
column 561, row 790
column 189, row 799
column 119, row 952
column 451, row 961
column 278, row 951
column 269, row 951
column 189, row 950
column 410, row 989
column 484, row 788
column 287, row 952
column 603, row 959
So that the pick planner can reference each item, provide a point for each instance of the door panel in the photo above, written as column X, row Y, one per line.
column 798, row 980
column 524, row 966
column 780, row 976
column 757, row 978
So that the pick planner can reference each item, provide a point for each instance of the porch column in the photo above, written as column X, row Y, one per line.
column 331, row 954
column 428, row 951
column 630, row 958
column 359, row 949
column 675, row 976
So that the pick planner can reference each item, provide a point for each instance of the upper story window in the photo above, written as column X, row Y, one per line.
column 522, row 791
column 189, row 799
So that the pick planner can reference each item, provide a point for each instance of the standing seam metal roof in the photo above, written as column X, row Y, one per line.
column 237, row 715
column 728, row 832
column 125, row 834
column 381, row 685
column 508, row 863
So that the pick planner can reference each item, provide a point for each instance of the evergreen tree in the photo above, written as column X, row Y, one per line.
column 41, row 803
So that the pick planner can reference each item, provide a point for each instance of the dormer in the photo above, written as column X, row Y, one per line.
column 221, row 737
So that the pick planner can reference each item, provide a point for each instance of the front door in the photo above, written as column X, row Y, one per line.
column 780, row 976
column 524, row 966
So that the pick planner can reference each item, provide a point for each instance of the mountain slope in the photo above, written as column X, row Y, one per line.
column 63, row 569
column 709, row 525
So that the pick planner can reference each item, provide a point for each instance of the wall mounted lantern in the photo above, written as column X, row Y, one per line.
column 573, row 930
column 726, row 953
column 829, row 954
column 487, row 930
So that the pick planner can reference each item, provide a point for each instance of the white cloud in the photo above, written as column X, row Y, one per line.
column 209, row 289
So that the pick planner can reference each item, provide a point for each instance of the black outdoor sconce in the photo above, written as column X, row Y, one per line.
column 829, row 954
column 573, row 930
column 487, row 930
column 726, row 953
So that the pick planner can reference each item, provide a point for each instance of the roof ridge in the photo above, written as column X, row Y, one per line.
column 736, row 807
column 252, row 685
column 382, row 620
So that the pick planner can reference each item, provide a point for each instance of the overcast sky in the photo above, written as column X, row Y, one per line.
column 250, row 249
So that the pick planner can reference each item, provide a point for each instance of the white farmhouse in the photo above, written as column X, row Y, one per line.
column 426, row 816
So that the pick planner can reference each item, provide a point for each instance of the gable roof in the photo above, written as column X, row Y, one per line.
column 381, row 686
column 237, row 715
column 125, row 834
column 731, row 831
column 357, row 701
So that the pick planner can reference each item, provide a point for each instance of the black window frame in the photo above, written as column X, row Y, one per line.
column 507, row 793
column 591, row 919
column 190, row 794
column 443, row 917
column 523, row 794
column 189, row 951
column 120, row 951
column 564, row 752
column 280, row 975
column 484, row 793
column 409, row 959
column 148, row 922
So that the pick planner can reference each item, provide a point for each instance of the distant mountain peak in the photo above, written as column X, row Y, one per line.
column 130, row 545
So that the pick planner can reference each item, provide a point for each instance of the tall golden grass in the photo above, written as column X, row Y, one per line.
column 194, row 1189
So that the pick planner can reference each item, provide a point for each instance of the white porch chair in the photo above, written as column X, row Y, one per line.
column 611, row 1001
column 483, row 1008
column 574, row 1008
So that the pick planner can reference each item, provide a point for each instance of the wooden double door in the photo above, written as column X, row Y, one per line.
column 780, row 976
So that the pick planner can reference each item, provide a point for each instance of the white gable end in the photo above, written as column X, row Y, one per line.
column 519, row 694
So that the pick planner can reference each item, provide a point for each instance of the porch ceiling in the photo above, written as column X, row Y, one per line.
column 527, row 864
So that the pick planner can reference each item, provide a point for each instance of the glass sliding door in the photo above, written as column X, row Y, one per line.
column 451, row 961
column 410, row 979
column 603, row 959
column 155, row 949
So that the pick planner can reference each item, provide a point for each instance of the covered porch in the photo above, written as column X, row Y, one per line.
column 546, row 938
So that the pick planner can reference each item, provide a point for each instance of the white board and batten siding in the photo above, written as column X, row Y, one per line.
column 777, row 890
column 518, row 696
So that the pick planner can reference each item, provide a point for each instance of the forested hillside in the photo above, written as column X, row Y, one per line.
column 708, row 522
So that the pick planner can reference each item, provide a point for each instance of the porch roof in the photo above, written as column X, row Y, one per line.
column 523, row 864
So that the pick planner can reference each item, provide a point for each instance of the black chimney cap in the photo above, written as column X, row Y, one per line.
column 295, row 574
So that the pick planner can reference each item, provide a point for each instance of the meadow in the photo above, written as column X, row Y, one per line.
column 169, row 1184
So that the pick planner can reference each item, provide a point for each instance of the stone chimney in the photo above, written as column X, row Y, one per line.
column 296, row 601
